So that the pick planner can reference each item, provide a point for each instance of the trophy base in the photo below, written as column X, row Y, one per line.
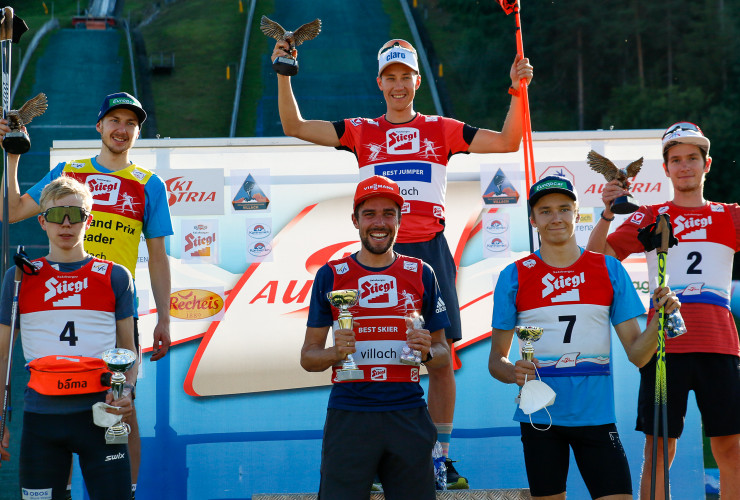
column 116, row 438
column 409, row 361
column 16, row 143
column 349, row 374
column 285, row 66
column 625, row 205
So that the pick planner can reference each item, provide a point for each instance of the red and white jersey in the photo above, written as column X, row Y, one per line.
column 415, row 155
column 572, row 306
column 699, row 269
column 385, row 298
column 70, row 313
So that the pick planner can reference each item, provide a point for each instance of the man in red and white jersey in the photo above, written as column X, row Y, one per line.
column 72, row 307
column 377, row 424
column 413, row 150
column 707, row 358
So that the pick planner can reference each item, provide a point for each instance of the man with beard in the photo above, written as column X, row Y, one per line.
column 378, row 424
column 706, row 358
column 128, row 200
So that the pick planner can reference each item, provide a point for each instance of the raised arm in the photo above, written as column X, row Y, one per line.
column 508, row 140
column 317, row 131
column 597, row 241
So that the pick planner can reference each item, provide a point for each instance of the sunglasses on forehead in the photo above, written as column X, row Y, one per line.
column 397, row 43
column 682, row 126
column 57, row 215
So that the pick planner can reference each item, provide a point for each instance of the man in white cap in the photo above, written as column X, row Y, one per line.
column 413, row 150
column 707, row 358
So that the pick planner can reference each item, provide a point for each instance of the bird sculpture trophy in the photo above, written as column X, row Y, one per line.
column 287, row 65
column 16, row 141
column 624, row 204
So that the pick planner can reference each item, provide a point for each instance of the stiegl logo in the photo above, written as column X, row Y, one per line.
column 561, row 283
column 104, row 188
column 378, row 291
column 686, row 223
column 54, row 287
column 402, row 140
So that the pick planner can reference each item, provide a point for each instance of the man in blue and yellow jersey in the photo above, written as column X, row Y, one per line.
column 128, row 200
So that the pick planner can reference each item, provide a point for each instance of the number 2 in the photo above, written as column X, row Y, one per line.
column 693, row 267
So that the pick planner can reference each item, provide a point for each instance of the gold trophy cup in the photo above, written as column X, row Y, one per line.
column 343, row 300
column 527, row 334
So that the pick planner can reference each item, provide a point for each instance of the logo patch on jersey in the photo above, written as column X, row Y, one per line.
column 67, row 291
column 693, row 289
column 104, row 189
column 378, row 291
column 379, row 373
column 76, row 165
column 717, row 208
column 567, row 360
column 433, row 118
column 441, row 306
column 663, row 210
column 637, row 218
column 341, row 268
column 356, row 121
column 406, row 208
column 565, row 287
column 438, row 212
column 402, row 140
column 414, row 374
column 410, row 266
column 695, row 227
column 529, row 263
column 100, row 267
column 39, row 494
column 138, row 174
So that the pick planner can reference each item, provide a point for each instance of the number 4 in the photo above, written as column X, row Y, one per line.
column 568, row 329
column 68, row 334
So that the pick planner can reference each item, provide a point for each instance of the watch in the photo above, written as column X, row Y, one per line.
column 429, row 358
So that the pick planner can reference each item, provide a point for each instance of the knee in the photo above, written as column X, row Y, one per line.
column 726, row 450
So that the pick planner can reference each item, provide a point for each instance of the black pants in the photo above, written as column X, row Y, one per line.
column 47, row 444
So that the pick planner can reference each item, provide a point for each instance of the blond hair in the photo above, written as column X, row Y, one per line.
column 65, row 186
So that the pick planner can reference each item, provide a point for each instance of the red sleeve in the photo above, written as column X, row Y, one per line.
column 624, row 240
column 351, row 135
column 453, row 130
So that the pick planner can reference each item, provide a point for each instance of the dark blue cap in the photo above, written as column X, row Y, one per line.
column 122, row 100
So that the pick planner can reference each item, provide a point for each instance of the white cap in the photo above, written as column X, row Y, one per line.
column 397, row 54
column 685, row 133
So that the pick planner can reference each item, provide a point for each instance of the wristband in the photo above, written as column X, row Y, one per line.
column 429, row 358
column 514, row 92
column 608, row 220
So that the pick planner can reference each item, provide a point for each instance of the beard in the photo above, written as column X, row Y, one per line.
column 377, row 248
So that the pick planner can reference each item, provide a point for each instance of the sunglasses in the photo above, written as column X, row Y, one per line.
column 57, row 215
column 396, row 43
column 682, row 126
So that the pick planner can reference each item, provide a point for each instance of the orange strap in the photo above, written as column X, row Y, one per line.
column 66, row 375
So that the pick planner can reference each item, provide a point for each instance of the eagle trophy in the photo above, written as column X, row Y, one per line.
column 624, row 204
column 287, row 65
column 16, row 141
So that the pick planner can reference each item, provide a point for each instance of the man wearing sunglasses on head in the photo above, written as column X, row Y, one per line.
column 706, row 359
column 128, row 200
column 72, row 307
column 413, row 150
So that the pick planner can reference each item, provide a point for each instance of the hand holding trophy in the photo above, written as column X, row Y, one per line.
column 624, row 204
column 527, row 334
column 412, row 356
column 343, row 300
column 287, row 65
column 118, row 361
column 17, row 142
